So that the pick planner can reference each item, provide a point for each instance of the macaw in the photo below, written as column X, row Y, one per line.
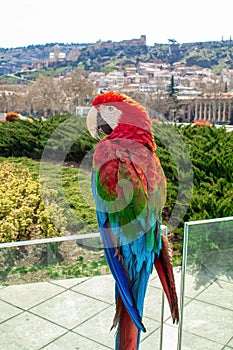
column 129, row 188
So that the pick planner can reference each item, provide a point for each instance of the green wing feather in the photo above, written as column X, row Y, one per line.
column 133, row 186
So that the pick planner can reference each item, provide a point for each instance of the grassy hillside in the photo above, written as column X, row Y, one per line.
column 105, row 56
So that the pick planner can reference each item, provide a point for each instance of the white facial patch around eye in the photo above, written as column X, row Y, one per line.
column 110, row 114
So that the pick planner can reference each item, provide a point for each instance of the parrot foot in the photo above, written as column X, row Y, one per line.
column 117, row 254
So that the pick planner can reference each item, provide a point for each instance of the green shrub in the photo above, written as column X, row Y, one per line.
column 200, row 156
column 23, row 215
column 205, row 161
column 211, row 152
column 22, row 138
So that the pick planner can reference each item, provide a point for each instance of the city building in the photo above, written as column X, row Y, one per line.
column 57, row 55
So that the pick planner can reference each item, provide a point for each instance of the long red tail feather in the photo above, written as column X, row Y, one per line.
column 127, row 331
column 163, row 265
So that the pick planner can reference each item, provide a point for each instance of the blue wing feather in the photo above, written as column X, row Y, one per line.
column 115, row 264
column 132, row 271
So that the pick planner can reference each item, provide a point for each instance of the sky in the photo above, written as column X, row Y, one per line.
column 30, row 22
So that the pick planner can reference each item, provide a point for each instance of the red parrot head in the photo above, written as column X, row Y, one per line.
column 112, row 109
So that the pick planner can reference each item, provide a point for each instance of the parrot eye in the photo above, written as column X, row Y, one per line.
column 110, row 114
column 111, row 109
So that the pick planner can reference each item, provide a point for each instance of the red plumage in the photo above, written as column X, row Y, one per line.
column 131, row 183
column 163, row 265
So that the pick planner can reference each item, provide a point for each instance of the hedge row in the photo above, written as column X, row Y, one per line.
column 23, row 138
column 197, row 161
column 198, row 164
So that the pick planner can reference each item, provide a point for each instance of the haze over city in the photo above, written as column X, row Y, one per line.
column 29, row 22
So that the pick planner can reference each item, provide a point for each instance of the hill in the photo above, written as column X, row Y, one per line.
column 104, row 55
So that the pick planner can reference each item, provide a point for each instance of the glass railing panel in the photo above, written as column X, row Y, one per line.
column 55, row 258
column 207, row 285
column 70, row 257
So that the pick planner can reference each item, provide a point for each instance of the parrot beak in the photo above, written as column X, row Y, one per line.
column 92, row 123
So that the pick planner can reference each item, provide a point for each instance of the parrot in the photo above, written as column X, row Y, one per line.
column 129, row 190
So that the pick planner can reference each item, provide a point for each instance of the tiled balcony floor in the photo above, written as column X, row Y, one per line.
column 77, row 314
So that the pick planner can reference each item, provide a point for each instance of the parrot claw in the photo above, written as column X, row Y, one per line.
column 117, row 254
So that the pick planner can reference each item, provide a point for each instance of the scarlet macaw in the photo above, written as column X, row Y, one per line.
column 129, row 188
